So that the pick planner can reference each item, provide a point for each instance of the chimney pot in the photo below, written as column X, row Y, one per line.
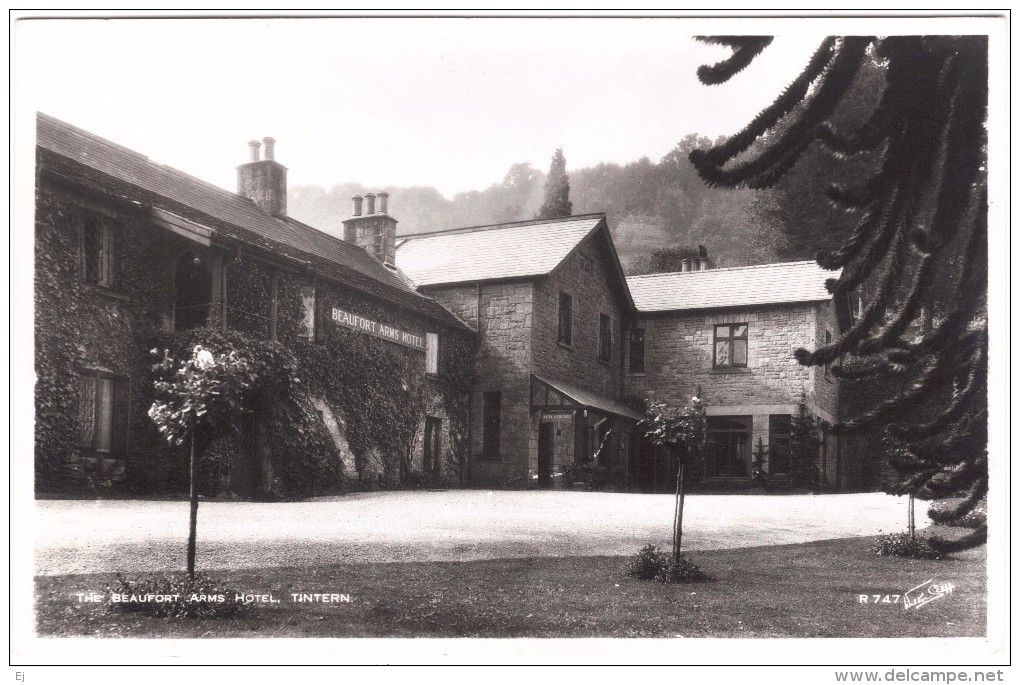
column 685, row 265
column 383, row 200
column 264, row 181
column 369, row 203
column 357, row 204
column 702, row 265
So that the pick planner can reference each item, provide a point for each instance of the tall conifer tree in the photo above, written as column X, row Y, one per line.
column 557, row 190
column 920, row 245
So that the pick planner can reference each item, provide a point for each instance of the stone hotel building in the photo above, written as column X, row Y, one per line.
column 555, row 348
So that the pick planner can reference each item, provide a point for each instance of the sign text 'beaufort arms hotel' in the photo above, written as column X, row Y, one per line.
column 359, row 323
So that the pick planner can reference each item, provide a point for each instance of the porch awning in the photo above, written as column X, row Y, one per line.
column 552, row 394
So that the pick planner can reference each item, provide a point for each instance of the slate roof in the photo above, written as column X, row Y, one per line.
column 501, row 251
column 786, row 282
column 592, row 400
column 82, row 156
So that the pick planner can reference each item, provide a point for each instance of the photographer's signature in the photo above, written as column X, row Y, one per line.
column 927, row 591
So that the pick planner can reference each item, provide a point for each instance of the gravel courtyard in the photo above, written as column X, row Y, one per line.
column 74, row 536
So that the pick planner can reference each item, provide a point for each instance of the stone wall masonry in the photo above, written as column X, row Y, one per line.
column 592, row 295
column 461, row 300
column 678, row 358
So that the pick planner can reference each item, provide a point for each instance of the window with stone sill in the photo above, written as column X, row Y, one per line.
column 605, row 338
column 637, row 350
column 730, row 350
column 103, row 413
column 566, row 319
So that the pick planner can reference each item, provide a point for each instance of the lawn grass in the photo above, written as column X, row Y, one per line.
column 806, row 590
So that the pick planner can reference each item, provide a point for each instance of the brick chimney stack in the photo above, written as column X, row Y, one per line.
column 264, row 181
column 375, row 231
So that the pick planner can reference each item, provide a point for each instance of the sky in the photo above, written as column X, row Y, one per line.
column 450, row 103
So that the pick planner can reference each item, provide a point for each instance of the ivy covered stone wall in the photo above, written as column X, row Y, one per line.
column 368, row 398
column 82, row 328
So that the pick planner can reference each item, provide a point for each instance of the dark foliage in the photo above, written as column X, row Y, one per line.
column 645, row 564
column 903, row 545
column 557, row 190
column 919, row 247
column 198, row 597
column 804, row 451
column 304, row 458
column 949, row 514
column 651, row 564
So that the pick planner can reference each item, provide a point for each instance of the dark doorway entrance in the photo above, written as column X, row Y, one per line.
column 194, row 292
column 546, row 432
column 431, row 464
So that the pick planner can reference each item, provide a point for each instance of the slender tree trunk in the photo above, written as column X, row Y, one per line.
column 910, row 516
column 193, row 519
column 678, row 518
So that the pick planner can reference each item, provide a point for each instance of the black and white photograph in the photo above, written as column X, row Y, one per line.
column 540, row 339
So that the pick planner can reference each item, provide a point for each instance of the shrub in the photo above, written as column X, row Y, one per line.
column 941, row 512
column 201, row 597
column 902, row 545
column 681, row 570
column 645, row 565
column 651, row 564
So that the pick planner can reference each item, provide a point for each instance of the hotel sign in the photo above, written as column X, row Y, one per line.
column 359, row 323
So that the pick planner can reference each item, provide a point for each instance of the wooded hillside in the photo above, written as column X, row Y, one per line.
column 649, row 206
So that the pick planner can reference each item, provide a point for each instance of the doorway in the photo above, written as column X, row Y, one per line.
column 545, row 454
column 431, row 464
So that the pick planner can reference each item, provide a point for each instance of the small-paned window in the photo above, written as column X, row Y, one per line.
column 727, row 446
column 309, row 303
column 432, row 353
column 730, row 346
column 637, row 350
column 97, row 250
column 566, row 319
column 103, row 413
column 605, row 337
